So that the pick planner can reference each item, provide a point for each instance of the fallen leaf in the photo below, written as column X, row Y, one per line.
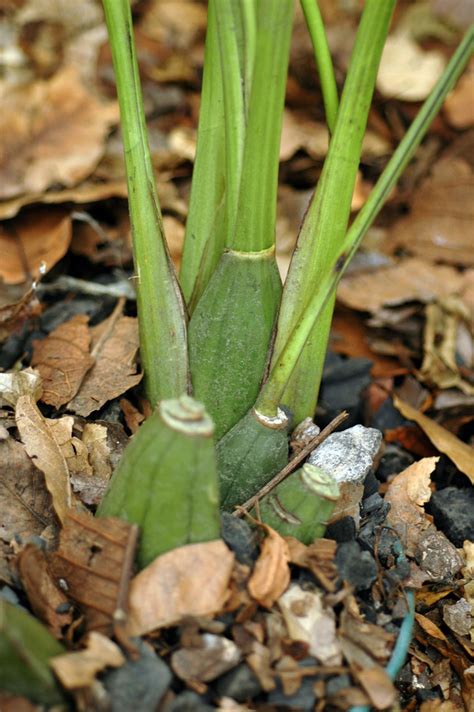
column 308, row 620
column 192, row 580
column 430, row 627
column 271, row 573
column 63, row 359
column 45, row 453
column 410, row 280
column 90, row 480
column 210, row 657
column 33, row 243
column 438, row 226
column 378, row 686
column 94, row 561
column 14, row 312
column 77, row 670
column 376, row 641
column 406, row 494
column 459, row 105
column 459, row 452
column 25, row 502
column 407, row 72
column 45, row 598
column 20, row 383
column 114, row 347
column 318, row 557
column 53, row 131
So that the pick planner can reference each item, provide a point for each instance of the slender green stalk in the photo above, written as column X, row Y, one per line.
column 322, row 55
column 326, row 221
column 249, row 26
column 231, row 327
column 205, row 226
column 161, row 311
column 272, row 392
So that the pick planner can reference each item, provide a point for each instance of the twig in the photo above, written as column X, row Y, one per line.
column 294, row 462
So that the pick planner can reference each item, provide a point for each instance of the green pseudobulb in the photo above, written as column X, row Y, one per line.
column 167, row 480
column 301, row 505
column 249, row 455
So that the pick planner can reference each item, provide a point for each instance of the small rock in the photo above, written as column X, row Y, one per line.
column 356, row 566
column 303, row 700
column 240, row 684
column 458, row 617
column 240, row 538
column 371, row 485
column 348, row 456
column 187, row 701
column 387, row 417
column 342, row 530
column 453, row 512
column 213, row 658
column 335, row 684
column 437, row 557
column 145, row 680
column 342, row 384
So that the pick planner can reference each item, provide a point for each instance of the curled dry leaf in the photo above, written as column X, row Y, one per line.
column 457, row 451
column 192, row 580
column 406, row 494
column 52, row 132
column 38, row 237
column 78, row 669
column 45, row 451
column 271, row 574
column 63, row 359
column 114, row 347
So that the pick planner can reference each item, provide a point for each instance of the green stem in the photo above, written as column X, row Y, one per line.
column 161, row 311
column 272, row 392
column 322, row 55
column 205, row 226
column 326, row 221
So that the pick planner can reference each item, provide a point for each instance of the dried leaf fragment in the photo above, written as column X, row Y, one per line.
column 76, row 670
column 192, row 580
column 52, row 131
column 94, row 560
column 459, row 452
column 63, row 359
column 271, row 574
column 44, row 450
column 406, row 494
column 115, row 344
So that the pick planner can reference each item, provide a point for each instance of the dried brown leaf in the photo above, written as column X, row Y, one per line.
column 40, row 237
column 43, row 448
column 271, row 574
column 430, row 627
column 43, row 594
column 396, row 78
column 16, row 310
column 406, row 494
column 78, row 669
column 25, row 503
column 52, row 132
column 94, row 560
column 378, row 686
column 459, row 106
column 409, row 280
column 115, row 344
column 190, row 581
column 459, row 452
column 63, row 359
column 439, row 224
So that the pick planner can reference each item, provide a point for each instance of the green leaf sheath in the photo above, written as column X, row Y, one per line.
column 205, row 226
column 161, row 311
column 315, row 25
column 232, row 324
column 249, row 455
column 26, row 648
column 324, row 294
column 324, row 227
column 301, row 505
column 166, row 481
